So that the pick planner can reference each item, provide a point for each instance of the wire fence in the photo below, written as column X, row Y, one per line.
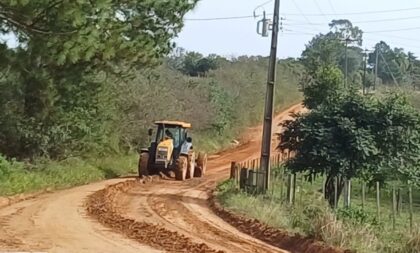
column 392, row 204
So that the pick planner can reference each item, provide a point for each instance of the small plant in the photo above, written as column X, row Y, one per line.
column 355, row 215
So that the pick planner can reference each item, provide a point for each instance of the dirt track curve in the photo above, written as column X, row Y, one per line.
column 59, row 222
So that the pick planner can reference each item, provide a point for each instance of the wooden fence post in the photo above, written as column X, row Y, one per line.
column 238, row 176
column 348, row 193
column 290, row 188
column 335, row 192
column 394, row 206
column 378, row 201
column 232, row 170
column 399, row 201
column 410, row 200
column 243, row 177
column 294, row 189
column 363, row 195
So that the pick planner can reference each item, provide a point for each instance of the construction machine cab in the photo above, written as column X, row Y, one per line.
column 169, row 149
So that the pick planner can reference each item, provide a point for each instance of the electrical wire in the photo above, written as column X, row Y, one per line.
column 301, row 12
column 332, row 7
column 363, row 21
column 232, row 17
column 220, row 18
column 389, row 69
column 263, row 4
column 320, row 10
column 354, row 13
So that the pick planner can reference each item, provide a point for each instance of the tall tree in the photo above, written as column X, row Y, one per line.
column 68, row 54
column 355, row 137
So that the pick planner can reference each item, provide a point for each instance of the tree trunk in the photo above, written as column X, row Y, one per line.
column 330, row 185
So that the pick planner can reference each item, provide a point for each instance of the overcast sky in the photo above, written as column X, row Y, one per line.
column 395, row 22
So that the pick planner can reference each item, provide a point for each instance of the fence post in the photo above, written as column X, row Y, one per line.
column 394, row 206
column 363, row 195
column 349, row 193
column 335, row 192
column 399, row 201
column 378, row 202
column 301, row 189
column 282, row 184
column 290, row 188
column 238, row 175
column 410, row 200
column 294, row 188
column 243, row 177
column 232, row 170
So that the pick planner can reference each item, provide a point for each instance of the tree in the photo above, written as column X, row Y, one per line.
column 322, row 50
column 355, row 137
column 193, row 63
column 94, row 30
column 330, row 49
column 69, row 55
column 323, row 88
column 392, row 63
column 344, row 30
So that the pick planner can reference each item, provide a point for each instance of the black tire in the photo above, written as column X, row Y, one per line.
column 200, row 169
column 143, row 165
column 181, row 168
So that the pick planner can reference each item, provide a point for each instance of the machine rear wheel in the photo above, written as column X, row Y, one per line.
column 143, row 165
column 181, row 168
column 200, row 169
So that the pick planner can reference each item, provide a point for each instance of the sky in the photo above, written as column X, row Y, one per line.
column 395, row 22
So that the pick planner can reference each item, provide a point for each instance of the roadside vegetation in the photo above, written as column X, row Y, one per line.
column 348, row 135
column 78, row 94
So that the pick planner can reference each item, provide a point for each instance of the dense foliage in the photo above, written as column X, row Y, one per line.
column 56, row 86
column 356, row 136
column 346, row 134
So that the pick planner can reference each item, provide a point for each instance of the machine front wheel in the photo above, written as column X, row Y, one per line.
column 143, row 165
column 181, row 168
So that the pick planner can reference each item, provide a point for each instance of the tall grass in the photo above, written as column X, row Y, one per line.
column 351, row 228
column 17, row 177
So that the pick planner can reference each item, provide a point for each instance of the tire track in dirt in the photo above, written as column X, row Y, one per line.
column 182, row 209
column 102, row 206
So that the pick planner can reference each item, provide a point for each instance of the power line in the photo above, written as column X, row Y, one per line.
column 332, row 7
column 398, row 37
column 302, row 22
column 263, row 4
column 320, row 10
column 221, row 18
column 301, row 26
column 301, row 12
column 366, row 21
column 353, row 13
column 394, row 30
column 389, row 69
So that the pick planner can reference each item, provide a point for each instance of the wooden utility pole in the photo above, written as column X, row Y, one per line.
column 376, row 67
column 364, row 72
column 346, row 40
column 346, row 64
column 269, row 100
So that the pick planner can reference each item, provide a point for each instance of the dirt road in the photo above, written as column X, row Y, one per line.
column 58, row 222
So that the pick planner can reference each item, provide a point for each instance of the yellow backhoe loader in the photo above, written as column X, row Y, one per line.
column 171, row 149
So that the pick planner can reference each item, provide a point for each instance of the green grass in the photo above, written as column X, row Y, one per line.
column 17, row 177
column 352, row 228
